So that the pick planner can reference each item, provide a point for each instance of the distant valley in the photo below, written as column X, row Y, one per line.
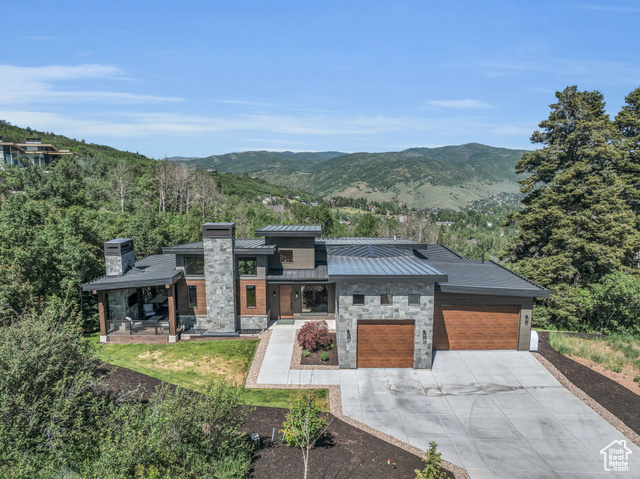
column 445, row 177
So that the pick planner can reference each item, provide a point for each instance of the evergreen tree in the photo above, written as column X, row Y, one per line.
column 577, row 225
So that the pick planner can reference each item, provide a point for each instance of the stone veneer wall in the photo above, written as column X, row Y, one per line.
column 118, row 265
column 253, row 324
column 220, row 285
column 118, row 308
column 349, row 314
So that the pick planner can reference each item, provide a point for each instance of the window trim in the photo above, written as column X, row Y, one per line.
column 186, row 273
column 388, row 297
column 353, row 299
column 414, row 303
column 246, row 259
column 286, row 251
column 246, row 296
column 192, row 289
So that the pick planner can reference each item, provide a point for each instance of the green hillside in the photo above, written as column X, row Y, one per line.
column 253, row 161
column 16, row 134
column 448, row 177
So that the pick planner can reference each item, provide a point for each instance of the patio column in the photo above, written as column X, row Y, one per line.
column 173, row 323
column 102, row 314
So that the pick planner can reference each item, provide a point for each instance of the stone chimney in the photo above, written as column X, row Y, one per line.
column 220, row 285
column 119, row 256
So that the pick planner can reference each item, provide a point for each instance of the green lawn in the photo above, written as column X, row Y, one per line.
column 192, row 364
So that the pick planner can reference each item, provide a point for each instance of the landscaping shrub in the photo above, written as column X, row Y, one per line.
column 324, row 356
column 305, row 353
column 313, row 335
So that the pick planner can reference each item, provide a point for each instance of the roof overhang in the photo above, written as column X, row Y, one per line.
column 109, row 283
column 264, row 250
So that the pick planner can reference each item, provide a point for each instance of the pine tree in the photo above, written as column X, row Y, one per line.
column 577, row 224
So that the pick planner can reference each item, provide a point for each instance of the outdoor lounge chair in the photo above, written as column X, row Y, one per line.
column 134, row 325
column 148, row 310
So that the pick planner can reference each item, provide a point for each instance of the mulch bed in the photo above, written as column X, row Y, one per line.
column 314, row 358
column 618, row 400
column 346, row 452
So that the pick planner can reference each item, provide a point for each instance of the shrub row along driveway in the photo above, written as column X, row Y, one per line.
column 496, row 413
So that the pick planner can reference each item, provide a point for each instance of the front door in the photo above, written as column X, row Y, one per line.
column 285, row 301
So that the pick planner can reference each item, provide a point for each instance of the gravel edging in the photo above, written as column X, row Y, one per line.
column 588, row 400
column 335, row 404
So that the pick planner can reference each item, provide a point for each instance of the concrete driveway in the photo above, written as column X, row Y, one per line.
column 496, row 413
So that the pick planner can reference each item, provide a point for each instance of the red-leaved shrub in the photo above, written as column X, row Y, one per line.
column 313, row 335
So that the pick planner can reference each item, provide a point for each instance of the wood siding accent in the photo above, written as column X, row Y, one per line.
column 385, row 344
column 476, row 327
column 183, row 297
column 261, row 297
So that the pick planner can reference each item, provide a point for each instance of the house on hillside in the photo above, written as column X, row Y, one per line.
column 32, row 151
column 394, row 301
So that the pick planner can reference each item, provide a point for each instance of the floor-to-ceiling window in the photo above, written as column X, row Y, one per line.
column 315, row 299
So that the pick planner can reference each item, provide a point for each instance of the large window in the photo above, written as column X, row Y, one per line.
column 251, row 296
column 194, row 265
column 192, row 295
column 247, row 266
column 315, row 299
column 286, row 256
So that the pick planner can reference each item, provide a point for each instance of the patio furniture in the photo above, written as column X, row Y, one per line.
column 149, row 310
column 134, row 325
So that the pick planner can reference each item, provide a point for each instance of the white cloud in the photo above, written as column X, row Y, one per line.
column 468, row 103
column 39, row 85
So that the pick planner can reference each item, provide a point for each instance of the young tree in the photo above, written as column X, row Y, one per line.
column 304, row 425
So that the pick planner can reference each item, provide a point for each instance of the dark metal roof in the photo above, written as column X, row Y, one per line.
column 402, row 267
column 437, row 252
column 242, row 246
column 357, row 241
column 253, row 246
column 475, row 277
column 319, row 273
column 188, row 248
column 293, row 231
column 156, row 270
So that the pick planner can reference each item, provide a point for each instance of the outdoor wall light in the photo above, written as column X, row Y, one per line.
column 526, row 320
column 274, row 294
column 424, row 336
column 348, row 336
column 296, row 295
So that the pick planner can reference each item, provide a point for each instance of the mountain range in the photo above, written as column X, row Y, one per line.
column 446, row 177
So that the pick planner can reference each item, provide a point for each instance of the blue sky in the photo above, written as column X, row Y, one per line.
column 197, row 78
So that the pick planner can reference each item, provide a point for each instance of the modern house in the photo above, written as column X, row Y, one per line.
column 394, row 301
column 32, row 151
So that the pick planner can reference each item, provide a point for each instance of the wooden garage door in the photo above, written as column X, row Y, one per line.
column 385, row 344
column 476, row 327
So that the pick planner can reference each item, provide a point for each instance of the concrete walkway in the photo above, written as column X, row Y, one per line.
column 498, row 414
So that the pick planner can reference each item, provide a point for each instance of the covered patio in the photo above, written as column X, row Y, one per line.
column 141, row 302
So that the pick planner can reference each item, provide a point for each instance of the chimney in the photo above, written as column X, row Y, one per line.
column 119, row 256
column 220, row 284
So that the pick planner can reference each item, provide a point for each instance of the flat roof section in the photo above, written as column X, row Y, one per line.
column 292, row 231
